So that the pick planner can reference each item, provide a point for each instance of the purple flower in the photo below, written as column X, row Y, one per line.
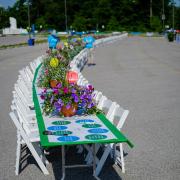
column 52, row 99
column 60, row 102
column 42, row 96
column 59, row 85
column 82, row 96
column 68, row 106
column 75, row 97
column 55, row 91
column 90, row 105
column 89, row 97
column 73, row 90
column 57, row 106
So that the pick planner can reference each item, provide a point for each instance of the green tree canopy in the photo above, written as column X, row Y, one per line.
column 130, row 15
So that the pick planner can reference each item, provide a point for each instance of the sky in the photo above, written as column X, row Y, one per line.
column 6, row 3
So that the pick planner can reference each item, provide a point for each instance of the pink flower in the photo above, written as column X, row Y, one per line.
column 65, row 89
column 90, row 87
column 46, row 71
column 45, row 90
column 42, row 97
column 55, row 91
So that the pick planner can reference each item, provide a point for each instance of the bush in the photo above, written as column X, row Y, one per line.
column 171, row 36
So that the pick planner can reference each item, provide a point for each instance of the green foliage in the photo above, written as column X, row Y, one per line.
column 4, row 19
column 113, row 24
column 171, row 36
column 64, row 55
column 132, row 15
column 79, row 23
column 156, row 24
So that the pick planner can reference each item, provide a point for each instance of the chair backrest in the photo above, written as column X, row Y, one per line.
column 18, row 125
column 106, row 105
column 101, row 102
column 120, row 117
column 33, row 66
column 117, row 115
column 111, row 112
column 29, row 73
column 97, row 96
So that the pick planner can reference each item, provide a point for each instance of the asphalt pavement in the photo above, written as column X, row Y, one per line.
column 16, row 39
column 140, row 74
column 143, row 75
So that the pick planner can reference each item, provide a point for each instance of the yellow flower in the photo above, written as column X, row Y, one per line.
column 54, row 62
column 66, row 44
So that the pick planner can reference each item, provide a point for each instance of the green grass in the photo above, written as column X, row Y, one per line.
column 22, row 44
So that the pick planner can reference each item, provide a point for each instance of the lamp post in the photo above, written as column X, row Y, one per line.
column 65, row 14
column 163, row 14
column 28, row 14
column 29, row 21
column 173, row 14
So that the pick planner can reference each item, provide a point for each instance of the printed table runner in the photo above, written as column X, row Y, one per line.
column 56, row 131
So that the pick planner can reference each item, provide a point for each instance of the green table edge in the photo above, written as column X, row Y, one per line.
column 44, row 138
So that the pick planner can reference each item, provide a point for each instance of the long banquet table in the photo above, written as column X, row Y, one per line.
column 75, row 130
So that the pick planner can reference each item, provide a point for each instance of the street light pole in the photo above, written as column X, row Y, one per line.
column 28, row 15
column 173, row 14
column 150, row 12
column 65, row 15
column 163, row 14
column 29, row 21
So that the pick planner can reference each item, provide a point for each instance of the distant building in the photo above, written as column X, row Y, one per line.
column 13, row 28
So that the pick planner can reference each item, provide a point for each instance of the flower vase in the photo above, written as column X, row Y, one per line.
column 53, row 83
column 68, row 112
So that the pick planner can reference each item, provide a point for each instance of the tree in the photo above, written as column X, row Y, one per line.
column 79, row 23
column 113, row 24
column 4, row 19
column 130, row 15
column 156, row 24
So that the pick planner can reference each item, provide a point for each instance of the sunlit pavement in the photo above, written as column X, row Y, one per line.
column 140, row 74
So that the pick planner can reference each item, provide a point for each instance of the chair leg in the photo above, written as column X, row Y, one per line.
column 122, row 157
column 40, row 152
column 18, row 154
column 89, row 157
column 80, row 149
column 103, row 159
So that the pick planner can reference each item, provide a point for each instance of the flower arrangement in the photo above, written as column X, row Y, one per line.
column 62, row 96
column 57, row 63
column 68, row 100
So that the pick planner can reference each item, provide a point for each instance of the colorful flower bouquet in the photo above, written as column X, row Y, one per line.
column 68, row 100
column 61, row 96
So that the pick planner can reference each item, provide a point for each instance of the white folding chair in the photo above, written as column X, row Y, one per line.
column 120, row 117
column 97, row 97
column 29, row 122
column 110, row 107
column 117, row 117
column 31, row 142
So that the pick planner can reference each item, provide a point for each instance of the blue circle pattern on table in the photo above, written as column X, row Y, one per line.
column 83, row 121
column 56, row 128
column 68, row 138
column 98, row 130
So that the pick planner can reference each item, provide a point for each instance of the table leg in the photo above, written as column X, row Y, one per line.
column 94, row 161
column 63, row 162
